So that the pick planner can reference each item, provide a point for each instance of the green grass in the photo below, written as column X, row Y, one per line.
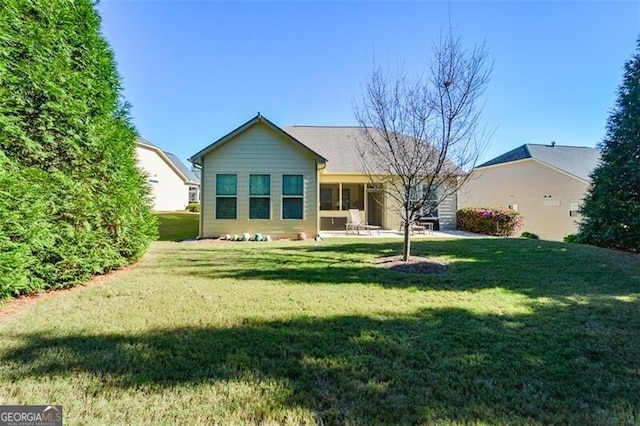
column 515, row 332
column 177, row 226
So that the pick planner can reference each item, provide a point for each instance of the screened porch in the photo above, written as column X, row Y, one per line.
column 337, row 198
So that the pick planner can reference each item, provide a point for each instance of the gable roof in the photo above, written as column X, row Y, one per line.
column 173, row 161
column 578, row 161
column 197, row 158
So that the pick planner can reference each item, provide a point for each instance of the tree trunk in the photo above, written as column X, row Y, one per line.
column 406, row 246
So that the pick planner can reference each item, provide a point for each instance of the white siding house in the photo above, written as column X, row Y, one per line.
column 169, row 180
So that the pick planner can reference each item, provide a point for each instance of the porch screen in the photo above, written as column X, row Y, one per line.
column 292, row 196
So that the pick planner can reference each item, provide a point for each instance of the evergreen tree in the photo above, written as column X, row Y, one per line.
column 72, row 201
column 612, row 205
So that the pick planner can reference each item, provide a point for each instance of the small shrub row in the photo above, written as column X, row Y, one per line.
column 193, row 207
column 489, row 220
column 529, row 235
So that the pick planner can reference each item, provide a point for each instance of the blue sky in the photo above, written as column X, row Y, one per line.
column 195, row 70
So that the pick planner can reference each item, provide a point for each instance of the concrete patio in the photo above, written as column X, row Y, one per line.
column 390, row 233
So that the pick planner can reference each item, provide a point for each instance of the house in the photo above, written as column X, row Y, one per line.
column 171, row 182
column 261, row 178
column 345, row 184
column 545, row 183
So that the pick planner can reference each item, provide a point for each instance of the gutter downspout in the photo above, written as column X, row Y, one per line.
column 319, row 168
column 200, row 224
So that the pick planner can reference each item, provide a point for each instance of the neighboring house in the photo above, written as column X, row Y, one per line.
column 545, row 183
column 171, row 182
column 280, row 182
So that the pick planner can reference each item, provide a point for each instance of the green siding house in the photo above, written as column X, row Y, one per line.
column 262, row 179
column 258, row 179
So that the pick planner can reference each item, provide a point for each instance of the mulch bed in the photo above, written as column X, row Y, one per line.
column 414, row 265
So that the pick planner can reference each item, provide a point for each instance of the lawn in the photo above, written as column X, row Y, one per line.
column 514, row 332
column 177, row 226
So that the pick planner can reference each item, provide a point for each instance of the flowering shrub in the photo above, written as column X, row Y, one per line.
column 489, row 220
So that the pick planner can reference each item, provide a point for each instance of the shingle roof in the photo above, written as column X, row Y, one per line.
column 177, row 163
column 578, row 161
column 181, row 166
column 337, row 144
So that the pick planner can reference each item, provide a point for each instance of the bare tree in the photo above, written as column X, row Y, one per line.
column 421, row 136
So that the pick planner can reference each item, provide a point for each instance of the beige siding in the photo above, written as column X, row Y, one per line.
column 168, row 190
column 259, row 150
column 446, row 213
column 344, row 178
column 542, row 194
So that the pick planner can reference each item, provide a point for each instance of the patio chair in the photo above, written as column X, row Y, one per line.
column 355, row 223
column 418, row 228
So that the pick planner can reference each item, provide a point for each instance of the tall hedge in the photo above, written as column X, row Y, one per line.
column 72, row 201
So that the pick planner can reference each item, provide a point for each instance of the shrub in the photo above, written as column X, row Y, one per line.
column 193, row 207
column 529, row 235
column 489, row 220
column 571, row 238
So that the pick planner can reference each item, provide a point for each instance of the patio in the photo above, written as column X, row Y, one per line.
column 391, row 233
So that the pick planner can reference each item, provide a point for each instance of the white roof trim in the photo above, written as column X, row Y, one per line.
column 166, row 159
column 508, row 163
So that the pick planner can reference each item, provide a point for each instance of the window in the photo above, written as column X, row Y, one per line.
column 194, row 194
column 259, row 197
column 429, row 200
column 430, row 209
column 292, row 196
column 513, row 207
column 226, row 196
column 574, row 209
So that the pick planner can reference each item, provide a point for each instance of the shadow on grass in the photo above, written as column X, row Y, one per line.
column 553, row 366
column 530, row 267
